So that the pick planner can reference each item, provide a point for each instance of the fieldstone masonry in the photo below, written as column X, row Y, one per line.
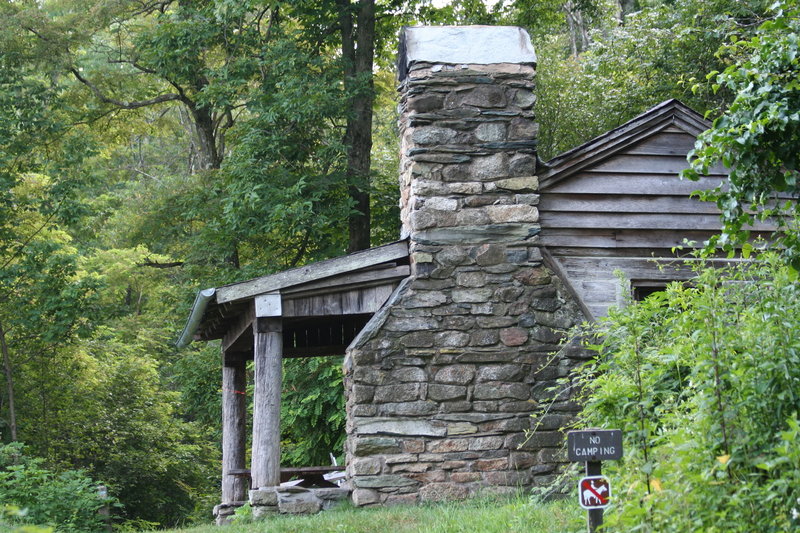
column 442, row 383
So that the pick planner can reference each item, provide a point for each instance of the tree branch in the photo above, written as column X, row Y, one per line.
column 124, row 105
column 156, row 264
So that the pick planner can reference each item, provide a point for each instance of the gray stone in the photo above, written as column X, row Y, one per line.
column 424, row 299
column 485, row 337
column 455, row 374
column 433, row 135
column 431, row 102
column 452, row 339
column 529, row 199
column 489, row 167
column 500, row 373
column 441, row 204
column 446, row 392
column 512, row 213
column 362, row 466
column 408, row 374
column 519, row 184
column 299, row 503
column 383, row 481
column 397, row 393
column 497, row 391
column 471, row 295
column 368, row 446
column 493, row 233
column 458, row 322
column 405, row 408
column 486, row 443
column 362, row 393
column 410, row 324
column 508, row 294
column 491, row 131
column 472, row 217
column 496, row 321
column 518, row 256
column 522, row 128
column 471, row 279
column 263, row 497
column 421, row 428
column 363, row 497
column 441, row 158
column 263, row 511
column 524, row 99
column 482, row 200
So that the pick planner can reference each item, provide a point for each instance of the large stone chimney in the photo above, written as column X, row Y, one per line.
column 442, row 383
column 468, row 153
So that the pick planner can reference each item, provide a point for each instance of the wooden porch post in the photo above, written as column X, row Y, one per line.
column 268, row 353
column 234, row 407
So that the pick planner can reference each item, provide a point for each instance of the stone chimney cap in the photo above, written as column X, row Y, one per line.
column 479, row 45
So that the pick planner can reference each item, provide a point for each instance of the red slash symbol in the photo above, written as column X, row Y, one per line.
column 594, row 492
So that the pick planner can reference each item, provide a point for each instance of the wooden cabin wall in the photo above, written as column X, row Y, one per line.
column 618, row 214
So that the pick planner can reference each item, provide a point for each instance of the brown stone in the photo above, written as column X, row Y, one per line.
column 533, row 276
column 413, row 445
column 465, row 477
column 436, row 492
column 486, row 465
column 448, row 445
column 513, row 336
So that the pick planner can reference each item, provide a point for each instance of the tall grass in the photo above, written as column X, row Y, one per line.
column 480, row 515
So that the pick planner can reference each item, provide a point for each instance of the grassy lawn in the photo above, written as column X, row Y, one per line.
column 473, row 516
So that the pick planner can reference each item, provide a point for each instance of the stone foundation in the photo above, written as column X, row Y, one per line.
column 285, row 500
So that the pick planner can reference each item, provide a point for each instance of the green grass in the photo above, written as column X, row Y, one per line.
column 473, row 516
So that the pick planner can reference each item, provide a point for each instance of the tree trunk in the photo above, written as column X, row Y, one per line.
column 12, row 412
column 210, row 157
column 358, row 50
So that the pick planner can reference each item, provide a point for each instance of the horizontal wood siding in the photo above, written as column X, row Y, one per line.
column 612, row 216
column 596, row 282
column 632, row 199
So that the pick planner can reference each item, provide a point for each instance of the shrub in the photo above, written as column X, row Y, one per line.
column 67, row 501
column 703, row 381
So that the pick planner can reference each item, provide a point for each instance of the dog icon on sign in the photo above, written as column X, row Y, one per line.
column 594, row 492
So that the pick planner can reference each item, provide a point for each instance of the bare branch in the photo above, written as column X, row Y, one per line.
column 156, row 264
column 124, row 105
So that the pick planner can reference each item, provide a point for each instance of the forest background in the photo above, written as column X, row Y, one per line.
column 149, row 148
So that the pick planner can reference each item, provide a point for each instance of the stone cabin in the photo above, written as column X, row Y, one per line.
column 449, row 334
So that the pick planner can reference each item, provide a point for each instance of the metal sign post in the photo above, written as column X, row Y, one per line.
column 592, row 446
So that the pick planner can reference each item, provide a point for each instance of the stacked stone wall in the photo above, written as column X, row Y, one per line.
column 442, row 384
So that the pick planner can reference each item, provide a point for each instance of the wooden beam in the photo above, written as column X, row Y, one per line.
column 234, row 409
column 553, row 264
column 267, row 354
column 243, row 323
column 364, row 278
column 313, row 272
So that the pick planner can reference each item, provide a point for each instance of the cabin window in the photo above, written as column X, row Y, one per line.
column 641, row 289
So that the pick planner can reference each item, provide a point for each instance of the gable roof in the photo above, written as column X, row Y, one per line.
column 666, row 114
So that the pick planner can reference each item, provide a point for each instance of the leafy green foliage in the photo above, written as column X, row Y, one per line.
column 68, row 501
column 703, row 382
column 312, row 411
column 757, row 137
